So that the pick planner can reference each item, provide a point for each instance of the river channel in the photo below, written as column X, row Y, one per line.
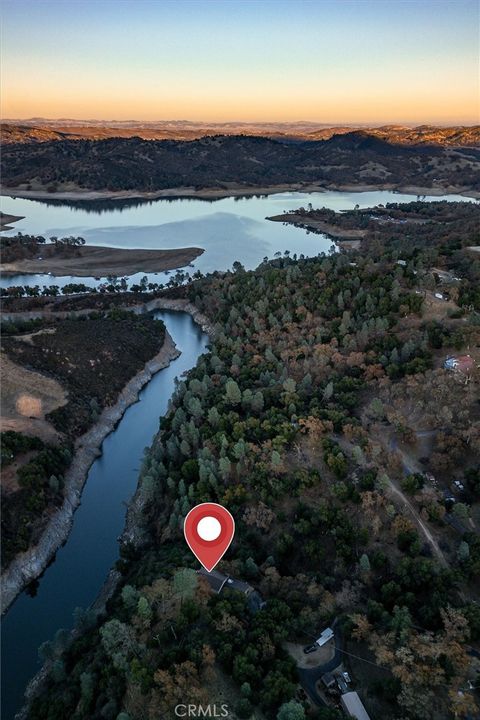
column 82, row 564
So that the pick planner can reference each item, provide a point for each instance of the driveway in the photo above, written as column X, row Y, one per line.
column 310, row 677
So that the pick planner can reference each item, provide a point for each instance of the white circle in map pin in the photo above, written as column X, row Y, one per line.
column 209, row 528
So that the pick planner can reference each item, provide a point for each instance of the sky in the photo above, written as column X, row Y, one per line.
column 329, row 61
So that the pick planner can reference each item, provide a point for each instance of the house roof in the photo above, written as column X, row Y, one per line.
column 218, row 581
column 460, row 363
column 353, row 706
column 215, row 579
column 328, row 679
column 326, row 635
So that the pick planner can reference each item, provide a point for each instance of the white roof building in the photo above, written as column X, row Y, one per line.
column 353, row 706
column 326, row 635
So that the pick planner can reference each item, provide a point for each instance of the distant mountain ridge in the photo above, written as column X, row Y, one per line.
column 42, row 130
column 223, row 161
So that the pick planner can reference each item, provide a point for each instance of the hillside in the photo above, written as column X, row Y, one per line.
column 42, row 130
column 222, row 161
column 55, row 384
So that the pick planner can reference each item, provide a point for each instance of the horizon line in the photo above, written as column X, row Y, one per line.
column 331, row 124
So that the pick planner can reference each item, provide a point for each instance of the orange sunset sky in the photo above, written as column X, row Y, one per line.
column 342, row 61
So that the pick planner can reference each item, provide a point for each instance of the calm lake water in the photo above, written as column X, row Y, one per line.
column 228, row 230
column 82, row 564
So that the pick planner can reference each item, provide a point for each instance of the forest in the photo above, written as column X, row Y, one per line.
column 308, row 419
column 22, row 245
column 92, row 357
column 222, row 161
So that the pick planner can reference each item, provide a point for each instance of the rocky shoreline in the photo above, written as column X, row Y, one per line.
column 130, row 532
column 30, row 564
column 159, row 303
column 220, row 193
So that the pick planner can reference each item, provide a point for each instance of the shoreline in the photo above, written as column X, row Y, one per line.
column 99, row 261
column 31, row 564
column 130, row 532
column 37, row 682
column 219, row 193
column 156, row 303
column 6, row 221
column 318, row 226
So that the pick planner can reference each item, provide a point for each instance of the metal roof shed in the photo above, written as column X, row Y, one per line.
column 353, row 706
column 326, row 635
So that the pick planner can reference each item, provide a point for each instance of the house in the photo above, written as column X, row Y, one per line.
column 462, row 363
column 403, row 263
column 353, row 706
column 218, row 581
column 326, row 635
column 215, row 579
column 328, row 680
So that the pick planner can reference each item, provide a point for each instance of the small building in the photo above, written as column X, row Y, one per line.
column 215, row 579
column 326, row 635
column 218, row 581
column 403, row 263
column 462, row 363
column 353, row 706
column 328, row 680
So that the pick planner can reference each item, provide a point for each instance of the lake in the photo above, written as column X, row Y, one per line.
column 228, row 230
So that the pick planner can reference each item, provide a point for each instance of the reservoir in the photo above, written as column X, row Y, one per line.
column 228, row 230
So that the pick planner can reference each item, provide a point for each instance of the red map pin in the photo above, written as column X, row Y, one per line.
column 209, row 529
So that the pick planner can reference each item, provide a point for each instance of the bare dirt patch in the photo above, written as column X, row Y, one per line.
column 321, row 656
column 28, row 396
column 436, row 308
column 9, row 480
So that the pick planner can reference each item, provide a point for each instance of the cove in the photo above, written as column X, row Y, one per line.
column 82, row 564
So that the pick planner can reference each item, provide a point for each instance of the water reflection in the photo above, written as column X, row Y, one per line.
column 228, row 229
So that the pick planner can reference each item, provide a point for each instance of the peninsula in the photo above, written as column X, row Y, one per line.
column 101, row 261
